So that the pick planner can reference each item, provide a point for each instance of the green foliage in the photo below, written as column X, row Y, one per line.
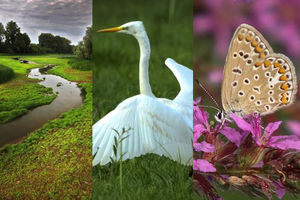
column 84, row 48
column 81, row 64
column 16, row 101
column 6, row 73
column 15, row 41
column 2, row 37
column 22, row 43
column 11, row 32
column 37, row 49
column 56, row 43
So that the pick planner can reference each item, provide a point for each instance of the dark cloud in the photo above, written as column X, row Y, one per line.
column 67, row 18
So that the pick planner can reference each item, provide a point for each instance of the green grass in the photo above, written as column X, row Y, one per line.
column 15, row 65
column 63, row 67
column 115, row 78
column 81, row 64
column 17, row 101
column 53, row 162
column 6, row 73
column 20, row 93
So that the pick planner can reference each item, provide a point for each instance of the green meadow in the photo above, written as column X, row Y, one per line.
column 53, row 162
column 115, row 78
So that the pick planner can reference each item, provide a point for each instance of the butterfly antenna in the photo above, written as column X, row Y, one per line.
column 210, row 107
column 208, row 94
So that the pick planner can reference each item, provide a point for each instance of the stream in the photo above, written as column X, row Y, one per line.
column 69, row 96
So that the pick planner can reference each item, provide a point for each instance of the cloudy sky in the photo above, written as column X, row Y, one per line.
column 66, row 18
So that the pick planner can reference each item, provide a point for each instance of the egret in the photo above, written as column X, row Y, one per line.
column 155, row 125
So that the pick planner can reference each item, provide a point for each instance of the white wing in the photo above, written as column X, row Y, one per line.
column 155, row 128
column 184, row 76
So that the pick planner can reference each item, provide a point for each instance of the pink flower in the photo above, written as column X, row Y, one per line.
column 204, row 147
column 279, row 189
column 266, row 139
column 203, row 166
column 294, row 126
column 215, row 76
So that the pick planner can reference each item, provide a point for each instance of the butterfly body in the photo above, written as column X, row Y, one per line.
column 255, row 79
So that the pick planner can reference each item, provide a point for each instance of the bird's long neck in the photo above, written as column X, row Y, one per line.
column 145, row 51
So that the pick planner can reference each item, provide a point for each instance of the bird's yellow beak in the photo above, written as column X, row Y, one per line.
column 115, row 29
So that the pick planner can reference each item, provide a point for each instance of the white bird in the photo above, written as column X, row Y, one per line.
column 157, row 125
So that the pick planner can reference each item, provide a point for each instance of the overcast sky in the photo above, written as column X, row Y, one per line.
column 66, row 18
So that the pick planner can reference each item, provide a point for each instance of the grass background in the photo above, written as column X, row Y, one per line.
column 53, row 162
column 115, row 78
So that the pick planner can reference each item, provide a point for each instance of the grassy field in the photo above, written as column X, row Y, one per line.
column 54, row 162
column 20, row 93
column 115, row 78
column 64, row 69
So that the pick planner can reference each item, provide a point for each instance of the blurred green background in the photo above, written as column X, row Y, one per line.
column 169, row 26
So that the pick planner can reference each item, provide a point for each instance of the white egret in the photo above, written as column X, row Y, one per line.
column 157, row 125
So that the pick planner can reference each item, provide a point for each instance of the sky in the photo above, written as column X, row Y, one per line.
column 66, row 18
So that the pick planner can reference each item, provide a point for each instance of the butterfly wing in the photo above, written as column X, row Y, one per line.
column 255, row 78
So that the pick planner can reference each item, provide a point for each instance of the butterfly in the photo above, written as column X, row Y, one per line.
column 255, row 79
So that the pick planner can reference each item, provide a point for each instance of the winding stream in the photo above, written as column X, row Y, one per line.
column 68, row 97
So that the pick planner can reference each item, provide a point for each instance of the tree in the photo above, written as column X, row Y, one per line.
column 56, row 43
column 2, row 31
column 46, row 40
column 11, row 33
column 84, row 47
column 22, row 43
column 2, row 37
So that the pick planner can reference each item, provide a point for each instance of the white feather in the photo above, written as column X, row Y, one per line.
column 157, row 125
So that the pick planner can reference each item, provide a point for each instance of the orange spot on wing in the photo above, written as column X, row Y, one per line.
column 262, row 55
column 284, row 86
column 258, row 49
column 267, row 63
column 258, row 64
column 276, row 64
column 281, row 70
column 283, row 78
column 254, row 43
column 240, row 37
column 248, row 38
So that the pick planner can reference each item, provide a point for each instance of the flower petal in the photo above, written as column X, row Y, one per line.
column 284, row 142
column 197, row 101
column 197, row 131
column 271, row 128
column 241, row 123
column 279, row 189
column 204, row 147
column 233, row 135
column 203, row 166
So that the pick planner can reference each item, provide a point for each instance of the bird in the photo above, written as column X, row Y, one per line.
column 149, row 124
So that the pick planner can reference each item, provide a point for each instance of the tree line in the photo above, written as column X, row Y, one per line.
column 13, row 41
